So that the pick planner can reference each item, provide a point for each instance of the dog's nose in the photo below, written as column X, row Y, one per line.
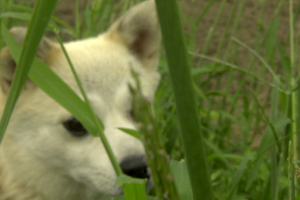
column 135, row 167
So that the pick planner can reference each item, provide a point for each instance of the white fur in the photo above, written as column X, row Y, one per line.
column 39, row 158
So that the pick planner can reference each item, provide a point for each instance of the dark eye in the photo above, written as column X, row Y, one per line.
column 132, row 115
column 75, row 127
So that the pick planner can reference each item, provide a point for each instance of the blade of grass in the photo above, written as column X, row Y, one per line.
column 179, row 66
column 157, row 158
column 16, row 15
column 292, row 83
column 270, row 123
column 58, row 90
column 240, row 172
column 213, row 29
column 181, row 177
column 268, row 141
column 27, row 17
column 227, row 64
column 219, row 153
column 41, row 15
column 274, row 75
column 291, row 173
column 270, row 41
column 41, row 75
column 96, row 120
column 123, row 198
column 64, row 24
column 134, row 189
column 15, row 7
column 77, row 20
column 275, row 159
column 225, row 32
column 204, row 11
column 48, row 81
column 131, row 132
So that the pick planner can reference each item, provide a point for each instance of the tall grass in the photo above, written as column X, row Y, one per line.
column 245, row 92
column 180, row 72
column 36, row 30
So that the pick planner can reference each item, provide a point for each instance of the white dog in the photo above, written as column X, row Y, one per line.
column 46, row 154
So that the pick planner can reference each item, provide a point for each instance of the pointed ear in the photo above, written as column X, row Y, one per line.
column 8, row 64
column 138, row 29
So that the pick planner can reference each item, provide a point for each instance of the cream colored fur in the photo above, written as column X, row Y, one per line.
column 39, row 158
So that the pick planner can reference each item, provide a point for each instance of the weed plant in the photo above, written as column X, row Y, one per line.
column 249, row 119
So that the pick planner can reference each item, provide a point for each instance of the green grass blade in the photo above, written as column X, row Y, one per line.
column 36, row 29
column 179, row 66
column 275, row 159
column 294, row 99
column 77, row 21
column 291, row 173
column 219, row 153
column 182, row 181
column 16, row 15
column 204, row 11
column 131, row 132
column 96, row 121
column 225, row 32
column 241, row 170
column 264, row 62
column 213, row 28
column 123, row 198
column 235, row 67
column 48, row 81
column 157, row 157
column 268, row 141
column 134, row 189
column 95, row 118
column 10, row 5
column 270, row 40
column 58, row 90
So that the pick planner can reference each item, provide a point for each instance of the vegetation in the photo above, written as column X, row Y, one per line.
column 237, row 103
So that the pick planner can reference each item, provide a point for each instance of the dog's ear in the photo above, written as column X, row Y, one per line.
column 138, row 29
column 8, row 64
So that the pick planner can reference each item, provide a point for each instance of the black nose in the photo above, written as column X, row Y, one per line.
column 135, row 167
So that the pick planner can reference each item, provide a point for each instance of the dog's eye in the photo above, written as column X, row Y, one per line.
column 132, row 115
column 75, row 127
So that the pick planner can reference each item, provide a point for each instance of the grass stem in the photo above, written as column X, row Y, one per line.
column 38, row 23
column 97, row 121
column 180, row 72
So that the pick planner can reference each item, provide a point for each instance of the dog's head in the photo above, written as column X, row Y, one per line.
column 45, row 148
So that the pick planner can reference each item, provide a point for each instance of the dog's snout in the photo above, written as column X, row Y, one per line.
column 135, row 167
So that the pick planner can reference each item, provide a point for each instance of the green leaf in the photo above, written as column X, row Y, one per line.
column 181, row 176
column 27, row 17
column 218, row 152
column 123, row 198
column 48, row 81
column 16, row 15
column 179, row 64
column 268, row 141
column 134, row 188
column 239, row 174
column 124, row 179
column 134, row 191
column 37, row 26
column 201, row 70
column 131, row 132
